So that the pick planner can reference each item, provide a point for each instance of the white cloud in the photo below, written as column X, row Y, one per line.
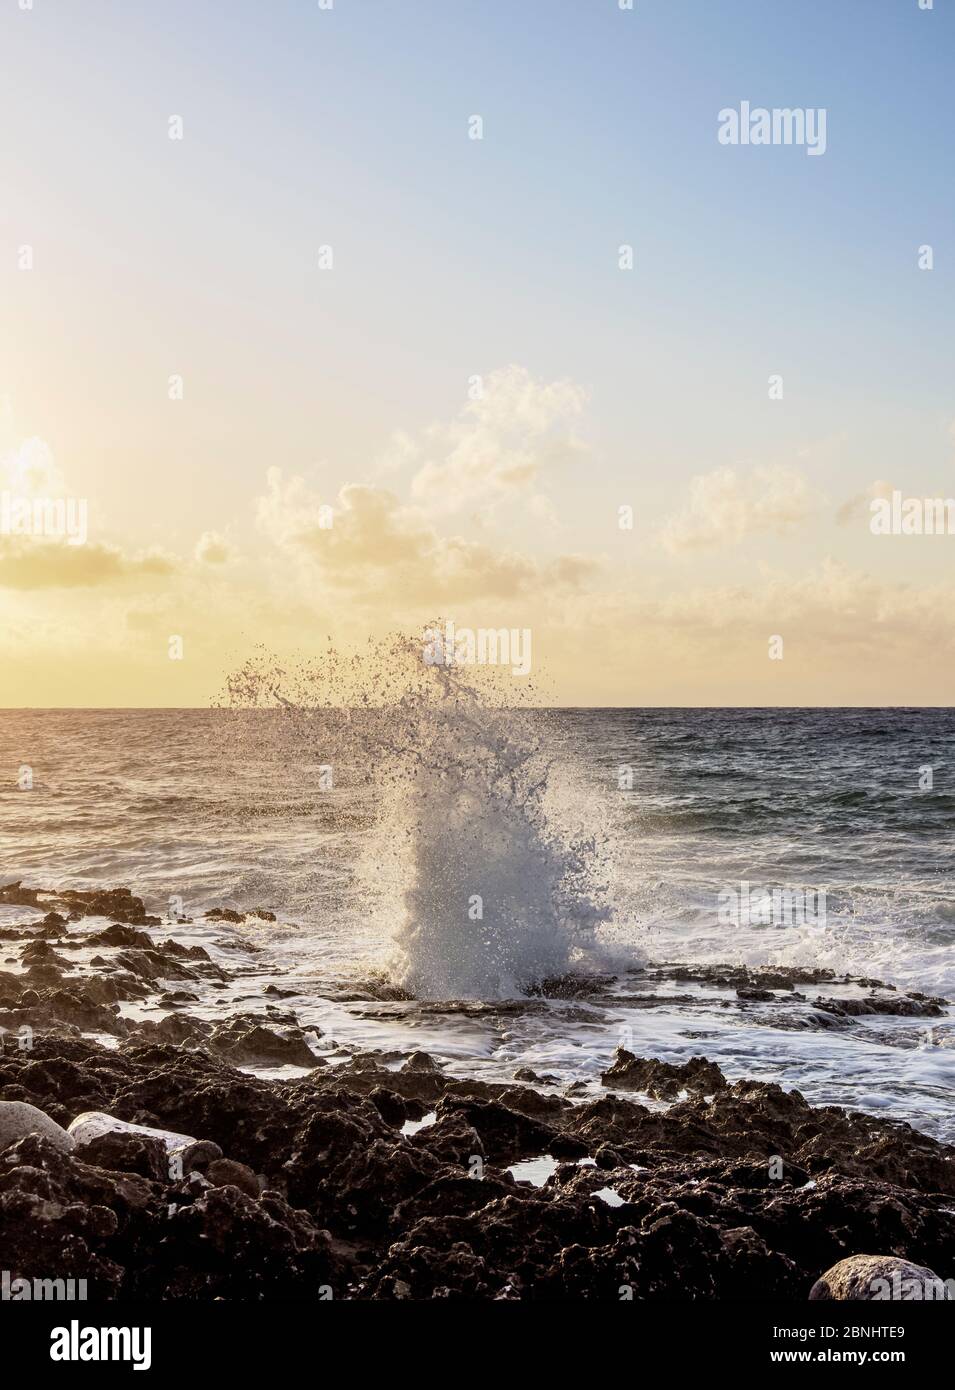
column 859, row 504
column 213, row 548
column 30, row 470
column 501, row 444
column 27, row 562
column 377, row 547
column 400, row 450
column 725, row 507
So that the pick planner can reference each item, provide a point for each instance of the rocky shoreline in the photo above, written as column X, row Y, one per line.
column 384, row 1177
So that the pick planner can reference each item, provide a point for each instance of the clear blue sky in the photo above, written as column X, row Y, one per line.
column 454, row 257
column 306, row 126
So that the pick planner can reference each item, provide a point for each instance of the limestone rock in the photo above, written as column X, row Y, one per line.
column 17, row 1119
column 874, row 1278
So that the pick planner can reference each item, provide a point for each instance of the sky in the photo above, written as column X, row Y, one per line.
column 328, row 303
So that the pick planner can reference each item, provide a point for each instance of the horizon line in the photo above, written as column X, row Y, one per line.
column 229, row 709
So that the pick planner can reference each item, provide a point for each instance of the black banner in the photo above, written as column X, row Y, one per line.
column 172, row 1339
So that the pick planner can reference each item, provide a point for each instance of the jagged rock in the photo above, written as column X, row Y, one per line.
column 131, row 1237
column 395, row 1109
column 118, row 935
column 506, row 1135
column 175, row 1028
column 420, row 1061
column 43, row 953
column 527, row 1074
column 757, row 977
column 169, row 947
column 662, row 1079
column 70, row 1007
column 708, row 1199
column 246, row 1042
column 742, row 1191
column 152, row 966
column 18, row 896
column 526, row 1101
column 225, row 1172
column 451, row 1139
column 117, row 903
column 370, row 1062
column 900, row 1006
column 127, row 1151
column 44, row 975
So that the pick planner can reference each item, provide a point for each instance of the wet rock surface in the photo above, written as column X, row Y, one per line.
column 662, row 1079
column 246, row 1039
column 750, row 1194
column 307, row 1186
column 117, row 903
column 900, row 1006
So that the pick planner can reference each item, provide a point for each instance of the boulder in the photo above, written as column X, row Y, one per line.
column 17, row 1119
column 191, row 1153
column 875, row 1278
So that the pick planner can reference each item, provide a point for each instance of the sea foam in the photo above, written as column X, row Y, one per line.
column 487, row 894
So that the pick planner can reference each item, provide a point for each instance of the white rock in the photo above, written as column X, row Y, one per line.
column 873, row 1278
column 94, row 1123
column 17, row 1119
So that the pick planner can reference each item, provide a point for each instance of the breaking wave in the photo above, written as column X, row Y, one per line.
column 488, row 892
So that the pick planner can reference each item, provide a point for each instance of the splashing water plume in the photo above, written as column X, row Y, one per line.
column 493, row 898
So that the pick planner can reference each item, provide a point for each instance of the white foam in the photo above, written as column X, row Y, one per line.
column 487, row 894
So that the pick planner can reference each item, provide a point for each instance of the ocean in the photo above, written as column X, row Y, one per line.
column 424, row 884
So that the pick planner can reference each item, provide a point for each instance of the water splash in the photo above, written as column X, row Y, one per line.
column 488, row 894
